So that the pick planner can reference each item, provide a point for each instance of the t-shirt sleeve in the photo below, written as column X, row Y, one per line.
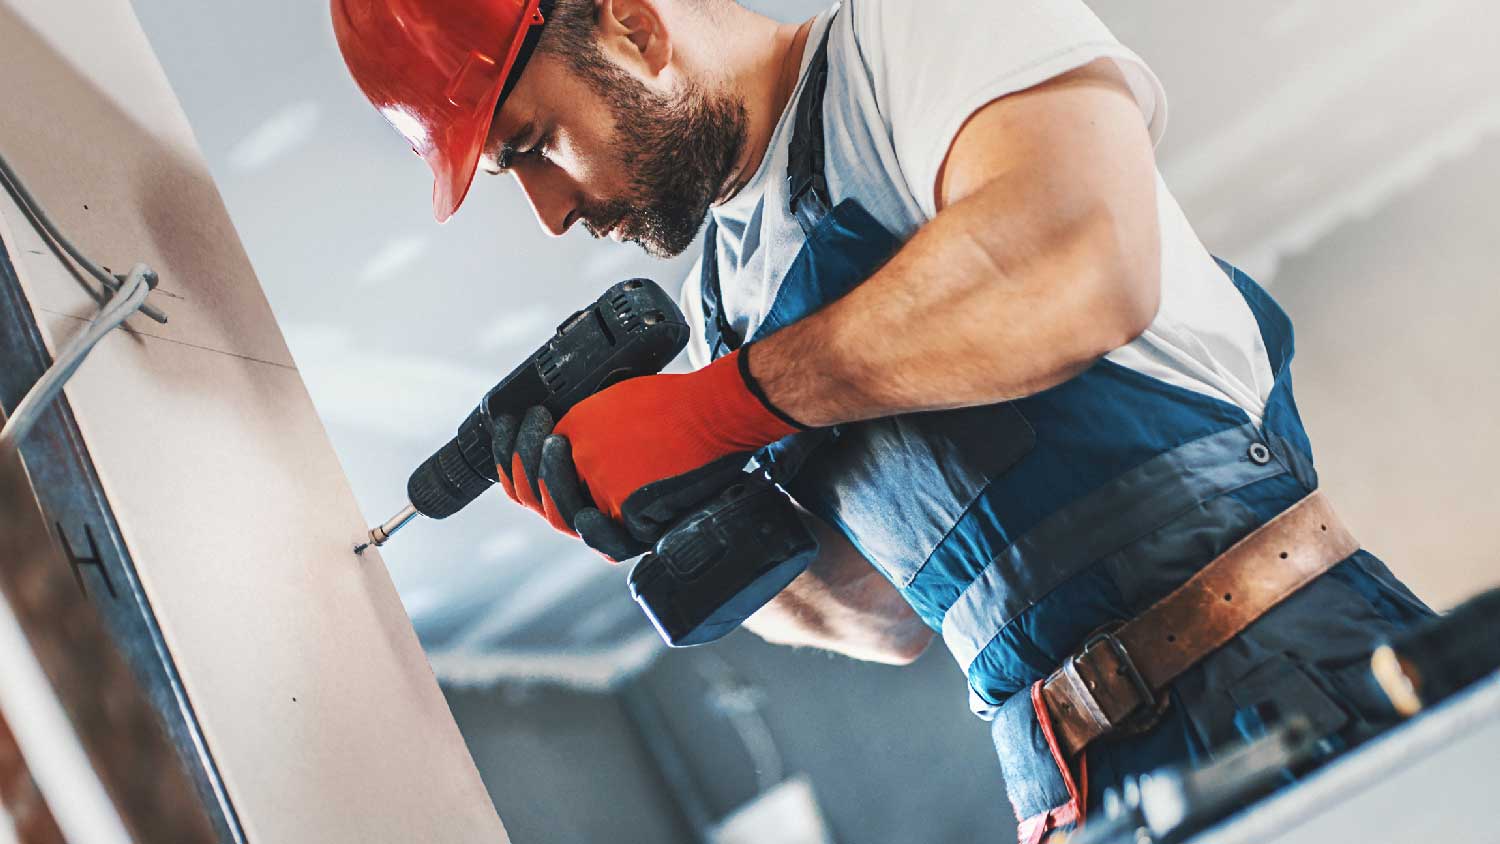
column 934, row 63
column 691, row 302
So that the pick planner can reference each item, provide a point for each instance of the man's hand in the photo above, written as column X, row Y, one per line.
column 647, row 449
column 624, row 463
column 527, row 455
column 516, row 445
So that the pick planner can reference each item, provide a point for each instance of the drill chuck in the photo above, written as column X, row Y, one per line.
column 455, row 474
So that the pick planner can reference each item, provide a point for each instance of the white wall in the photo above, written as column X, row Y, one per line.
column 1398, row 374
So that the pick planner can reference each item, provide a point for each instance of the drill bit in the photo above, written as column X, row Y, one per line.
column 382, row 533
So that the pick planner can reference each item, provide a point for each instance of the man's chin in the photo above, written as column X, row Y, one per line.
column 657, row 250
column 665, row 247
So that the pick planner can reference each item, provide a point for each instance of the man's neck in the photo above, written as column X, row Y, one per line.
column 764, row 77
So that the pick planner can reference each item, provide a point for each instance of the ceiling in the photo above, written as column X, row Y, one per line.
column 1286, row 119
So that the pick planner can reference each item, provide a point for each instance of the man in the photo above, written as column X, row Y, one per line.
column 949, row 304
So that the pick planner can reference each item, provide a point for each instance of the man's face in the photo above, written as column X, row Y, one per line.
column 594, row 144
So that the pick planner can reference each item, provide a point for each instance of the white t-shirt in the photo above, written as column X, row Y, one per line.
column 903, row 77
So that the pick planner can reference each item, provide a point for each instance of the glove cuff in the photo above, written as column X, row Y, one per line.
column 736, row 416
column 755, row 389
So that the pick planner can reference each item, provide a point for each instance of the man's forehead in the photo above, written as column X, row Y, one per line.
column 539, row 81
column 513, row 115
column 520, row 108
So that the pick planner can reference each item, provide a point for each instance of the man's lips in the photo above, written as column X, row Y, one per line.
column 614, row 231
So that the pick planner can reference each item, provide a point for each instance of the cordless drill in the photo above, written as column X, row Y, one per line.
column 719, row 563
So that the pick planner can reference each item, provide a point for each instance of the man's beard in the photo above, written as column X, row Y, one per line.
column 679, row 152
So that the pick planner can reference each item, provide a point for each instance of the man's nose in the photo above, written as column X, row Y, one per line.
column 552, row 197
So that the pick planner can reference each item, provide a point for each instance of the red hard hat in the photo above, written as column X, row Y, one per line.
column 437, row 70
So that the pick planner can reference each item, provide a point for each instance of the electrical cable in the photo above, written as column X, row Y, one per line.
column 119, row 299
column 43, row 223
column 124, row 302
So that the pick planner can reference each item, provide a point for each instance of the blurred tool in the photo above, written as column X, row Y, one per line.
column 1427, row 779
column 1426, row 665
column 1172, row 803
column 1433, row 661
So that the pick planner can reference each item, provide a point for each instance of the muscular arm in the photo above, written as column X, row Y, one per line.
column 1043, row 257
column 841, row 603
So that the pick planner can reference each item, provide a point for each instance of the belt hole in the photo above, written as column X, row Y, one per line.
column 1228, row 596
column 1283, row 555
column 1171, row 638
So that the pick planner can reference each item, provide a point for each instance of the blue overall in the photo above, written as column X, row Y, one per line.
column 1017, row 529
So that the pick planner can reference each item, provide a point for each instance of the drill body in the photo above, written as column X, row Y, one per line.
column 633, row 329
column 720, row 562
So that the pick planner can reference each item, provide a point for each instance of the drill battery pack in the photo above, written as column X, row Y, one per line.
column 747, row 543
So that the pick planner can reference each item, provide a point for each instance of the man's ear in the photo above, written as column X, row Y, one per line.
column 635, row 35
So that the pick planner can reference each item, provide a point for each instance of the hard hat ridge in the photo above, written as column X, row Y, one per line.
column 437, row 70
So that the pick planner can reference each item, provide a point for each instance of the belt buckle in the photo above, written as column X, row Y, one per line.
column 1126, row 664
column 1125, row 714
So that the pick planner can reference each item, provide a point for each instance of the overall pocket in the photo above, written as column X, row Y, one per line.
column 897, row 486
column 1046, row 791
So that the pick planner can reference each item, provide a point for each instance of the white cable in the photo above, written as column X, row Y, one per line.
column 48, row 229
column 114, row 311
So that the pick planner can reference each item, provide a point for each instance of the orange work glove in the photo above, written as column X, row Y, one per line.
column 656, row 444
column 516, row 443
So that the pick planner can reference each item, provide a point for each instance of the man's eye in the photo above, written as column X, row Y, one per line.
column 510, row 155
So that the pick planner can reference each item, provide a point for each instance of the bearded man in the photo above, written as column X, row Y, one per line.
column 949, row 304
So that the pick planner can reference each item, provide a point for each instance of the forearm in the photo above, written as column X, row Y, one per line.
column 1038, row 268
column 842, row 604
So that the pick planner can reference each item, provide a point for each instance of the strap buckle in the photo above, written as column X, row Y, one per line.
column 1102, row 688
column 1125, row 666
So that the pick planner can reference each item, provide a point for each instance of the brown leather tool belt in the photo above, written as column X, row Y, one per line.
column 1114, row 681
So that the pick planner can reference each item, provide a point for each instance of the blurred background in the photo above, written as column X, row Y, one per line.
column 1346, row 156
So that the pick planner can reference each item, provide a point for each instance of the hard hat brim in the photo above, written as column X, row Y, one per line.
column 455, row 161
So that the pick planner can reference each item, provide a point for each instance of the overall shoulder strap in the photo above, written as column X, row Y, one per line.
column 721, row 336
column 807, row 187
column 807, row 192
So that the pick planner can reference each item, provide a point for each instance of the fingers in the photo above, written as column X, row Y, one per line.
column 525, row 492
column 550, row 511
column 606, row 536
column 535, row 426
column 536, row 470
column 571, row 504
column 651, row 510
column 516, row 445
column 502, row 444
column 560, row 478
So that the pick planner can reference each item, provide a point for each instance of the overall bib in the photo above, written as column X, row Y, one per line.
column 1018, row 529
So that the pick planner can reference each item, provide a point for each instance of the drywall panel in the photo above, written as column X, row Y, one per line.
column 89, row 119
column 314, row 696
